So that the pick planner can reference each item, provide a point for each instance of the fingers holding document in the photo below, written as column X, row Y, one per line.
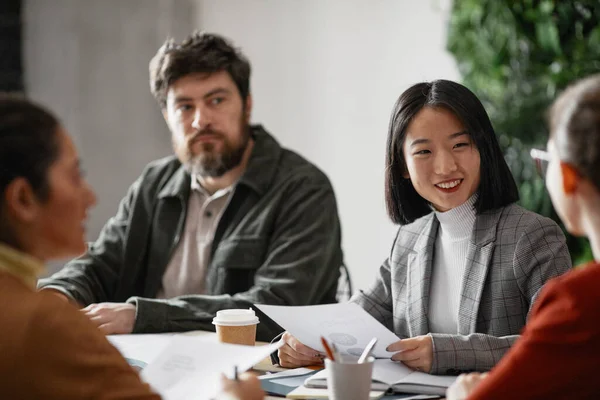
column 294, row 354
column 416, row 352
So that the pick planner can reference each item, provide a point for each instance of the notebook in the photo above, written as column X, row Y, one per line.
column 282, row 383
column 388, row 374
column 303, row 393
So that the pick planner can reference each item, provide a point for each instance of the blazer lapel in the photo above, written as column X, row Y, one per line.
column 420, row 262
column 479, row 257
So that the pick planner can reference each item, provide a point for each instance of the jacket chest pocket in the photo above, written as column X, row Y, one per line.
column 234, row 264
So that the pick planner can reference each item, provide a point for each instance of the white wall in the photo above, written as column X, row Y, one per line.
column 87, row 60
column 326, row 74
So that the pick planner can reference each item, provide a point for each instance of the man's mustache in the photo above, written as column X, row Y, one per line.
column 204, row 132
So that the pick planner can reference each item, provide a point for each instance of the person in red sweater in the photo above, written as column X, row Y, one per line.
column 558, row 354
column 49, row 349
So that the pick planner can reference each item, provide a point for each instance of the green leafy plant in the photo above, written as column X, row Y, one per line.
column 517, row 56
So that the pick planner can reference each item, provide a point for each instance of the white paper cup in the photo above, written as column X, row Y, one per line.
column 348, row 380
column 237, row 326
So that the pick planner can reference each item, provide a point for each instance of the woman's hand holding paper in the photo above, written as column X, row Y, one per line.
column 416, row 352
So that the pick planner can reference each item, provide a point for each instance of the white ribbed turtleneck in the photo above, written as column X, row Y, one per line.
column 449, row 263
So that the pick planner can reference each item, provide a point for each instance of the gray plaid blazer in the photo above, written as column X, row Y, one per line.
column 512, row 253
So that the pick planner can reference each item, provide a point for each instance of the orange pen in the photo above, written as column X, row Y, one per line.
column 327, row 349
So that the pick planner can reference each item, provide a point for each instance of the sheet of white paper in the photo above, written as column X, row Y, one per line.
column 190, row 367
column 392, row 372
column 140, row 349
column 290, row 381
column 291, row 372
column 443, row 381
column 345, row 324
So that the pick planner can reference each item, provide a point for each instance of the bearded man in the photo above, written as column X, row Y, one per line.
column 232, row 219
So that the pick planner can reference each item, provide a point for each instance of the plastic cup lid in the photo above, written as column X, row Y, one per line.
column 235, row 317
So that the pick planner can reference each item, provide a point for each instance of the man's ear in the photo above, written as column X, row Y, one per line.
column 570, row 178
column 248, row 108
column 21, row 201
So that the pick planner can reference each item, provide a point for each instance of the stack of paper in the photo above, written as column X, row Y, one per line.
column 187, row 367
column 140, row 349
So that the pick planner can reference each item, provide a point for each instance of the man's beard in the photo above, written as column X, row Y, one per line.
column 210, row 163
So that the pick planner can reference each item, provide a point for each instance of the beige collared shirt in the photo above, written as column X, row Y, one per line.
column 186, row 272
column 21, row 265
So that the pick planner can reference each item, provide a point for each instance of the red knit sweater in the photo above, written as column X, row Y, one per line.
column 558, row 354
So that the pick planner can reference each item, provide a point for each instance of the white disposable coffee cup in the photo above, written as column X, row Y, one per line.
column 237, row 326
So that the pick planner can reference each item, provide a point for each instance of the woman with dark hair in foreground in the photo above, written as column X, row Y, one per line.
column 50, row 350
column 558, row 354
column 467, row 262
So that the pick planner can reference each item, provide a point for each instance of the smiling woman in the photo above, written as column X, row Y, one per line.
column 441, row 160
column 435, row 116
column 467, row 262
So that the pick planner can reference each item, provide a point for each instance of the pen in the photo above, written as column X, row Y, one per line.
column 327, row 349
column 335, row 352
column 235, row 373
column 367, row 351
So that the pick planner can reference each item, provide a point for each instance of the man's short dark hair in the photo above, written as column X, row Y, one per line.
column 497, row 187
column 204, row 53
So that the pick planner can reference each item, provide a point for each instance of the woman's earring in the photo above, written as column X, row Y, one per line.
column 570, row 178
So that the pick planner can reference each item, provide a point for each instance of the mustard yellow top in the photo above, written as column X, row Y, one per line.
column 21, row 265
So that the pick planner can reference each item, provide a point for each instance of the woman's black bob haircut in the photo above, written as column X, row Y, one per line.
column 497, row 186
